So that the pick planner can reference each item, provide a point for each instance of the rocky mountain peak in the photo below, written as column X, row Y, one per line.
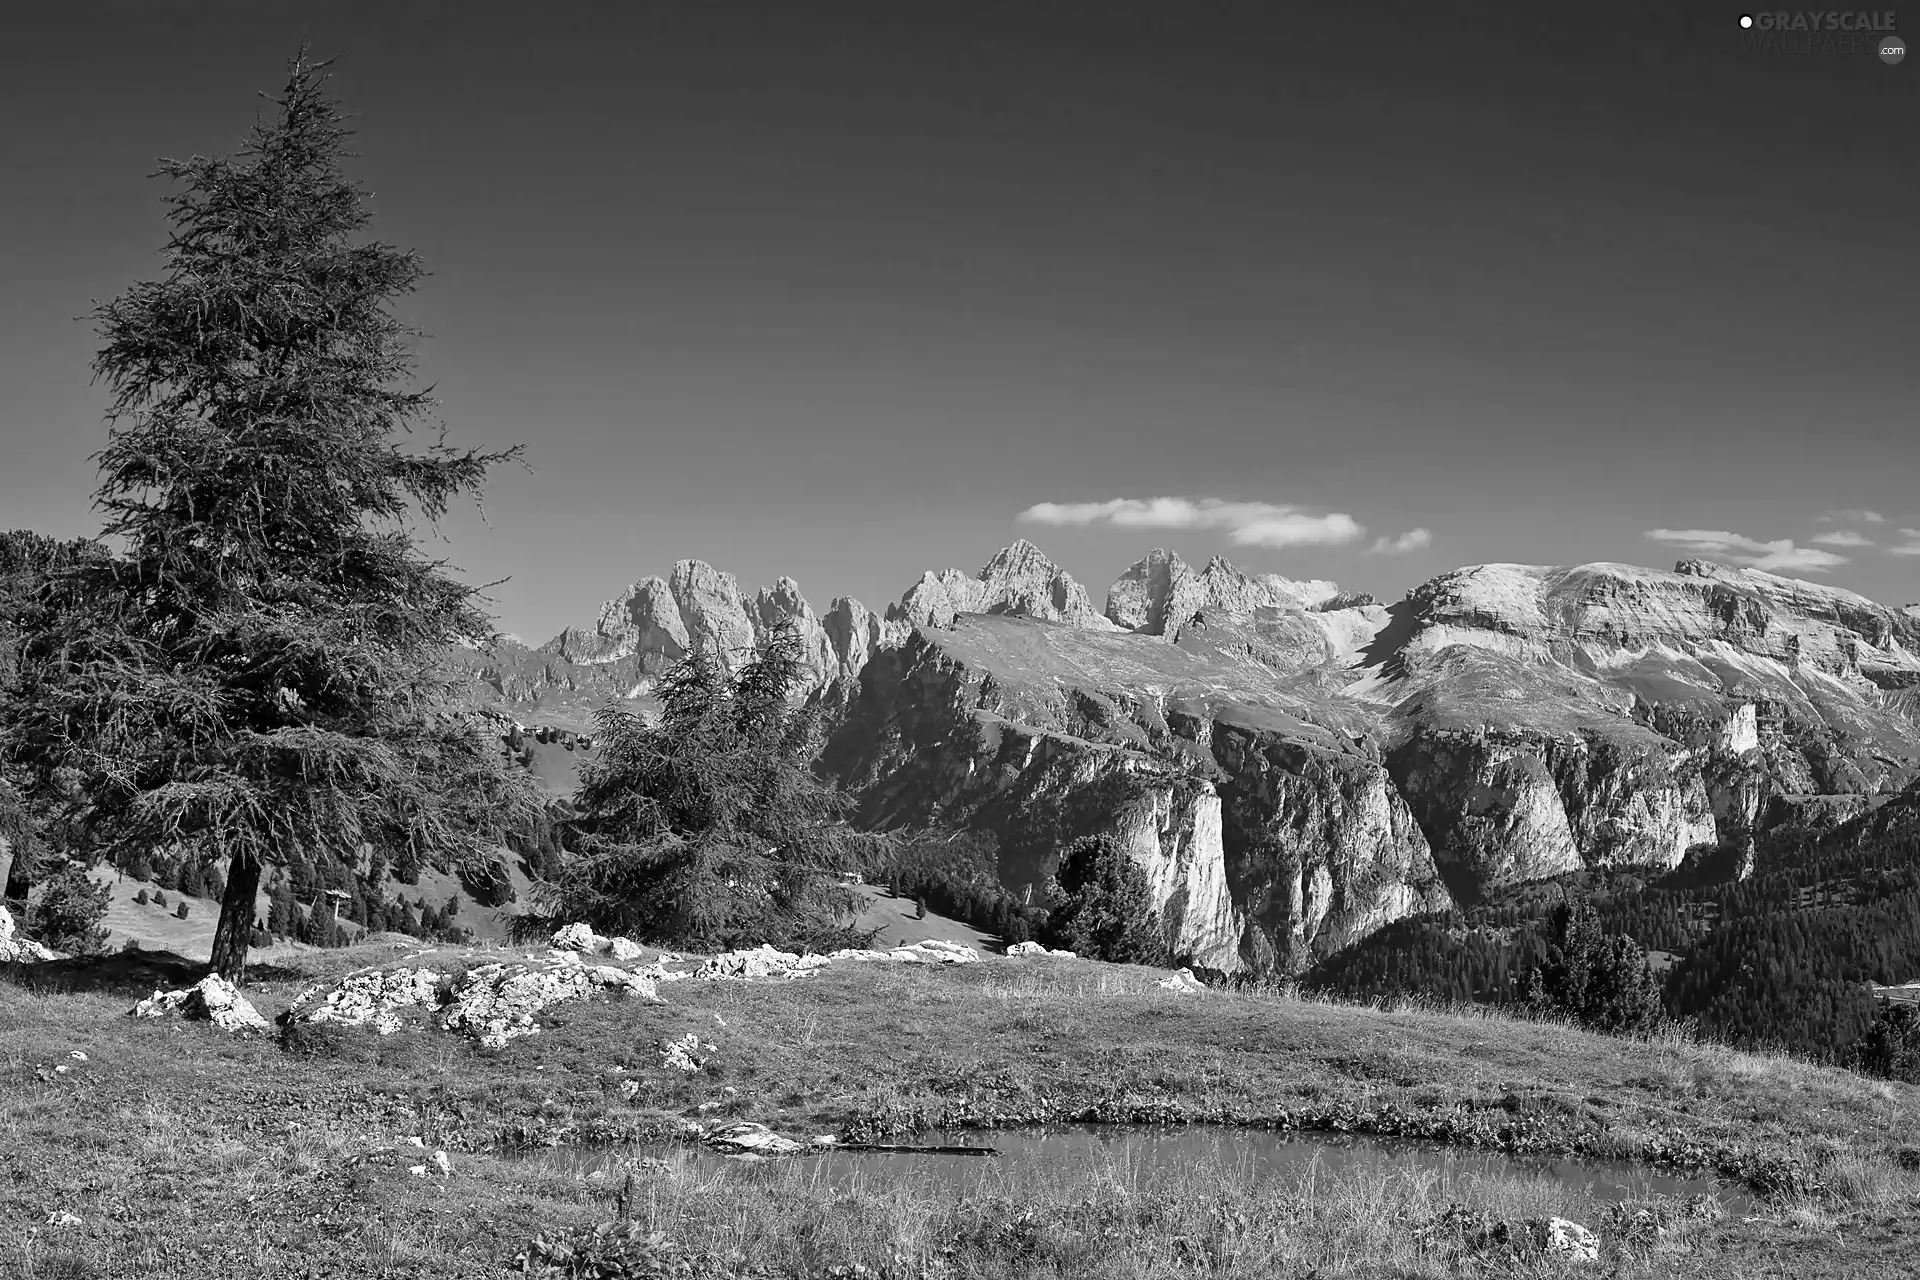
column 1160, row 594
column 1019, row 581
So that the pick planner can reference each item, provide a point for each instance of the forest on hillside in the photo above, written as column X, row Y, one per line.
column 1783, row 959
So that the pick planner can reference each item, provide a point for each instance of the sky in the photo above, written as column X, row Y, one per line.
column 850, row 291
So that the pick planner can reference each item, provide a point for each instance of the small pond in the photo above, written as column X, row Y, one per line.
column 1143, row 1155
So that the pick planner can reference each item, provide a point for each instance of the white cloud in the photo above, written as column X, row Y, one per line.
column 1843, row 538
column 1853, row 515
column 1909, row 548
column 1780, row 554
column 1248, row 524
column 1411, row 540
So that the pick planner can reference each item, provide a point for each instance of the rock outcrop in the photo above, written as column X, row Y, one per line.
column 16, row 947
column 493, row 1003
column 212, row 999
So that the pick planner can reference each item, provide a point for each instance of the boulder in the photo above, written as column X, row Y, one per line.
column 685, row 1054
column 212, row 999
column 746, row 1138
column 624, row 949
column 1035, row 949
column 1183, row 982
column 15, row 948
column 578, row 937
column 1567, row 1239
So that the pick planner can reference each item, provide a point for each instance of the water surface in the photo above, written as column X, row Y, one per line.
column 1141, row 1156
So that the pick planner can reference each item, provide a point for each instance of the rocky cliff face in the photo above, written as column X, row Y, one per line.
column 1159, row 594
column 1265, row 832
column 1503, row 723
column 1295, row 766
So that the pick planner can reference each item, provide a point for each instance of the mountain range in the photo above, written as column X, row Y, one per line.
column 1295, row 765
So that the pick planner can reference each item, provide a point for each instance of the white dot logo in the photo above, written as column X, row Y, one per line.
column 1746, row 20
column 1892, row 49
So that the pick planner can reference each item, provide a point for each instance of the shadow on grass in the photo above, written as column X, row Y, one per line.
column 126, row 973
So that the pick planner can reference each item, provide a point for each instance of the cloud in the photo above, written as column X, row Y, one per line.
column 1248, row 524
column 1781, row 554
column 1411, row 540
column 1843, row 538
column 1911, row 547
column 1853, row 515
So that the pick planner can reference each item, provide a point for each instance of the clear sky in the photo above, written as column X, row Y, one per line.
column 840, row 291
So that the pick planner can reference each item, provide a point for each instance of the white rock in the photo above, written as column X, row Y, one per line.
column 1569, row 1240
column 13, row 947
column 444, row 1165
column 577, row 937
column 78, row 1056
column 417, row 1170
column 1183, row 981
column 63, row 1219
column 212, row 999
column 748, row 1138
column 683, row 1054
column 624, row 949
column 1035, row 949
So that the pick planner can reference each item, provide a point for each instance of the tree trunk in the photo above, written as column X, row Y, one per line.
column 234, row 933
column 6, row 864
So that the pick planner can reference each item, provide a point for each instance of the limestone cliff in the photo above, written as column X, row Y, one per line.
column 1503, row 723
column 1265, row 828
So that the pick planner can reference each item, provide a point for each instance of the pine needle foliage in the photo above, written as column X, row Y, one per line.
column 256, row 674
column 710, row 829
column 1599, row 979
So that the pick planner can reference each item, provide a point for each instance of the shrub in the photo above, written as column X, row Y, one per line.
column 159, row 899
column 141, row 898
column 68, row 915
column 1103, row 906
column 711, row 829
column 181, row 912
column 1892, row 1047
column 1600, row 980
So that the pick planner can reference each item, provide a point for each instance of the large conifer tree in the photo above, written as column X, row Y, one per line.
column 254, row 675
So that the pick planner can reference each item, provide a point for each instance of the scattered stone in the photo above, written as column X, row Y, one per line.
column 416, row 1142
column 684, row 1054
column 64, row 1219
column 497, row 1003
column 212, row 999
column 822, row 1140
column 494, row 1003
column 1183, row 981
column 747, row 1138
column 1567, row 1239
column 443, row 1164
column 629, row 1090
column 760, row 962
column 417, row 1170
column 624, row 949
column 1035, row 949
column 78, row 1056
column 372, row 997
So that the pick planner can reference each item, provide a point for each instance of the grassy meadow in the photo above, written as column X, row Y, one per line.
column 174, row 1150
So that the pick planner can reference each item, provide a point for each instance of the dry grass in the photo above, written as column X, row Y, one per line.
column 185, row 1153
